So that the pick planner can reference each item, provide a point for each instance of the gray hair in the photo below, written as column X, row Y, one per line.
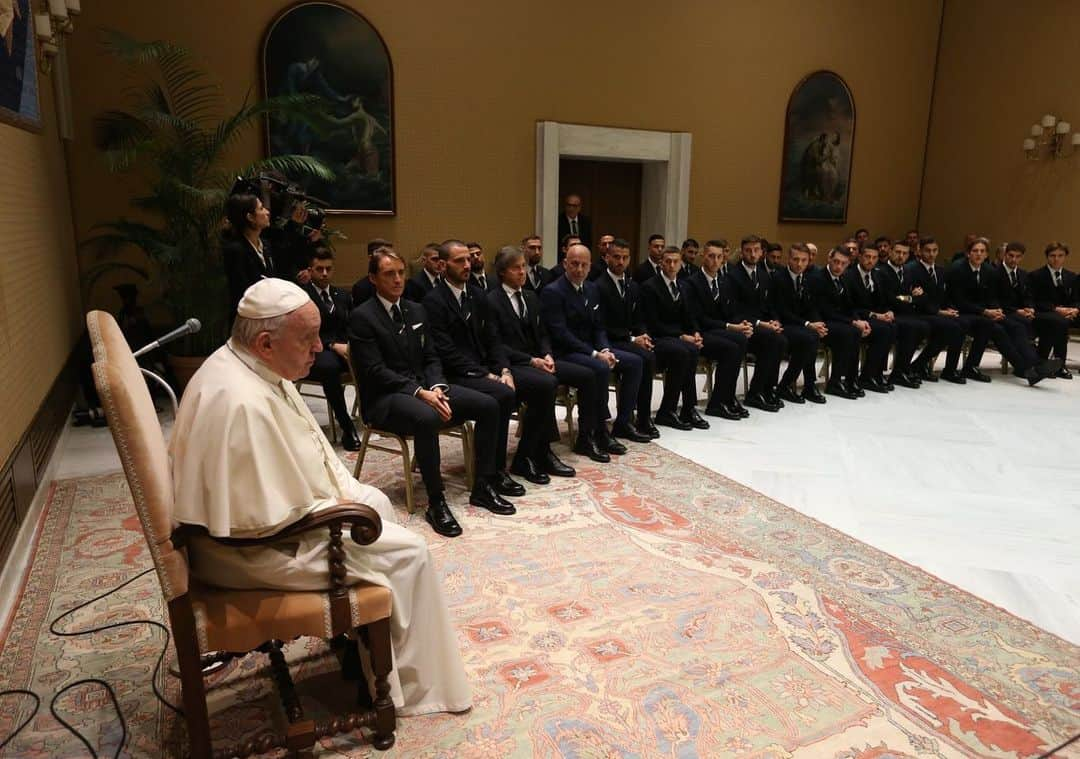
column 245, row 330
column 507, row 256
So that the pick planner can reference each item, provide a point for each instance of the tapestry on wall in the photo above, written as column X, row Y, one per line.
column 320, row 48
column 18, row 66
column 818, row 139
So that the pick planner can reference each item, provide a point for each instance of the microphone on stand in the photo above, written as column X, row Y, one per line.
column 190, row 327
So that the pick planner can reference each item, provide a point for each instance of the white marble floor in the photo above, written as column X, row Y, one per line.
column 977, row 484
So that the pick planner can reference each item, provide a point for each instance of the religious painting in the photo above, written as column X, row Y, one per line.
column 329, row 50
column 818, row 139
column 19, row 104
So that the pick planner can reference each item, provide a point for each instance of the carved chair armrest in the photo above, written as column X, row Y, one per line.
column 366, row 527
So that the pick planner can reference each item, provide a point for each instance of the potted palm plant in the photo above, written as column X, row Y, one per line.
column 174, row 135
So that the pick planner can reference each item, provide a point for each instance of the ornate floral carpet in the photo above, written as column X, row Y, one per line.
column 644, row 609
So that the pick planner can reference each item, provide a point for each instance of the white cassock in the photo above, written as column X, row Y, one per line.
column 248, row 459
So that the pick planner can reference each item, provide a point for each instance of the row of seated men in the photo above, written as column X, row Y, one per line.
column 466, row 348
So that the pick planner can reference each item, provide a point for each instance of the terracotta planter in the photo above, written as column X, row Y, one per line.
column 184, row 368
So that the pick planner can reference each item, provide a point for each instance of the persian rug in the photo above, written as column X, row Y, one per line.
column 647, row 608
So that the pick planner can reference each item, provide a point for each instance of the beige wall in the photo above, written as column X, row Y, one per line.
column 473, row 78
column 1003, row 65
column 40, row 317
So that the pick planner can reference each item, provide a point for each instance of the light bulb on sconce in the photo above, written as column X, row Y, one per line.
column 1051, row 137
column 47, row 46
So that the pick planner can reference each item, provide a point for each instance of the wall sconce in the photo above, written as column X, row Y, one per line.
column 1050, row 138
column 47, row 46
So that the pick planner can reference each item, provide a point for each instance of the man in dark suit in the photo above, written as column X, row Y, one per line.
column 722, row 341
column 833, row 301
column 947, row 326
column 571, row 307
column 573, row 222
column 536, row 275
column 651, row 267
column 1056, row 293
column 690, row 251
column 748, row 299
column 333, row 360
column 868, row 300
column 1016, row 301
column 564, row 244
column 516, row 313
column 363, row 289
column 803, row 326
column 674, row 338
column 478, row 269
column 911, row 328
column 599, row 264
column 972, row 287
column 403, row 390
column 773, row 260
column 468, row 346
column 624, row 324
column 431, row 269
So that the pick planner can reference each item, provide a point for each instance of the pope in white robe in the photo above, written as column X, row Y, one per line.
column 249, row 458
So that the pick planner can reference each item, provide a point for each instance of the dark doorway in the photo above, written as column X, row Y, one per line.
column 610, row 194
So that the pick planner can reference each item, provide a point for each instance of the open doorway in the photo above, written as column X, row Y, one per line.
column 611, row 197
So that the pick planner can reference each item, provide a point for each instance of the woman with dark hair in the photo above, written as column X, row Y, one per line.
column 245, row 253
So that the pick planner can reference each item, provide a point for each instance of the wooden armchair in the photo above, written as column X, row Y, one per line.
column 205, row 618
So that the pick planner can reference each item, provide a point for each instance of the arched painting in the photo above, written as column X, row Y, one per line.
column 818, row 141
column 330, row 50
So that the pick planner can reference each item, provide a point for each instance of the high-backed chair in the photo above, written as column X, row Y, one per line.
column 205, row 618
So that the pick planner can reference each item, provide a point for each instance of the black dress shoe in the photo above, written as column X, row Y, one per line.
column 441, row 519
column 626, row 432
column 887, row 383
column 903, row 380
column 837, row 389
column 926, row 374
column 607, row 443
column 724, row 411
column 554, row 466
column 974, row 373
column 1063, row 373
column 772, row 397
column 487, row 497
column 527, row 468
column 693, row 418
column 349, row 441
column 504, row 485
column 734, row 403
column 812, row 394
column 787, row 392
column 646, row 427
column 855, row 387
column 758, row 401
column 668, row 419
column 1033, row 375
column 951, row 375
column 873, row 384
column 1052, row 367
column 586, row 446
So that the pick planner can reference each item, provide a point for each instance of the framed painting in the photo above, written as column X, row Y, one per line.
column 819, row 135
column 19, row 102
column 330, row 50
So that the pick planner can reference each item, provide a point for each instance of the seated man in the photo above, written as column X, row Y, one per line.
column 677, row 342
column 468, row 347
column 248, row 459
column 559, row 268
column 1014, row 297
column 537, row 275
column 362, row 289
column 899, row 295
column 833, row 301
column 870, row 305
column 690, row 250
column 1056, row 293
column 651, row 267
column 803, row 326
column 431, row 271
column 333, row 360
column 515, row 312
column 748, row 300
column 572, row 312
column 477, row 269
column 974, row 291
column 722, row 341
column 403, row 390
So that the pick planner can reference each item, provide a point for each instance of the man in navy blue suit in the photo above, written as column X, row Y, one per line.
column 572, row 313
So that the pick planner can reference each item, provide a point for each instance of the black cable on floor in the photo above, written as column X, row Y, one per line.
column 1054, row 750
column 26, row 722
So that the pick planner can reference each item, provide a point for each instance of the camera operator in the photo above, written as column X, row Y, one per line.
column 246, row 254
column 295, row 230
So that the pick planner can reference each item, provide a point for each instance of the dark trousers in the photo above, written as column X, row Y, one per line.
column 878, row 344
column 642, row 401
column 1013, row 342
column 802, row 355
column 507, row 400
column 591, row 390
column 678, row 360
column 843, row 341
column 727, row 350
column 1053, row 331
column 768, row 347
column 536, row 389
column 946, row 334
column 910, row 332
column 979, row 329
column 327, row 371
column 408, row 415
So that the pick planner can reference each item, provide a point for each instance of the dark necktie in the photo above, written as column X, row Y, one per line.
column 1057, row 278
column 466, row 311
column 1012, row 277
column 328, row 300
column 482, row 279
column 395, row 315
column 622, row 288
column 520, row 305
column 933, row 274
column 977, row 282
column 573, row 227
column 798, row 285
column 753, row 278
column 868, row 281
column 900, row 275
column 674, row 292
column 715, row 288
column 839, row 287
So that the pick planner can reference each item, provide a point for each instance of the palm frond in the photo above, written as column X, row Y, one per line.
column 291, row 166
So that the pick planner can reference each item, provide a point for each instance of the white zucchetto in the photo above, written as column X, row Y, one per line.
column 271, row 297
